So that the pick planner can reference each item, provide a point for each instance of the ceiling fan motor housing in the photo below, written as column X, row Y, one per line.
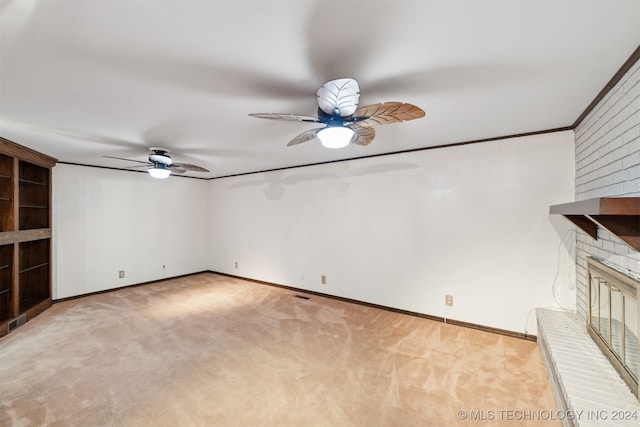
column 160, row 156
column 332, row 120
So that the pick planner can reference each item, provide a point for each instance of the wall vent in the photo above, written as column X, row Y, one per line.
column 17, row 322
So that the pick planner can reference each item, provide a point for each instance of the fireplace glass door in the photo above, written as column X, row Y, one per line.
column 613, row 318
column 632, row 353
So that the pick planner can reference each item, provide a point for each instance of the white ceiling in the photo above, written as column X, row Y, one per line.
column 83, row 79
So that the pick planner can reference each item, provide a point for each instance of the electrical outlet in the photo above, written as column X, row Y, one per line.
column 236, row 264
column 323, row 279
column 121, row 274
column 448, row 300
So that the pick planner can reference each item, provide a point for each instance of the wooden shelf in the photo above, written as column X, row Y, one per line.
column 44, row 264
column 618, row 215
column 25, row 233
column 27, row 181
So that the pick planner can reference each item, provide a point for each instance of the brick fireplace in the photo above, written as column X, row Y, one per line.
column 607, row 165
column 592, row 355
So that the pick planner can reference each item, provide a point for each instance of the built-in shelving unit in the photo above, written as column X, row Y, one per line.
column 25, row 234
column 6, row 193
column 34, row 273
column 34, row 196
column 6, row 282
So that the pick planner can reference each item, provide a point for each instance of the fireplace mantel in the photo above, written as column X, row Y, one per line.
column 619, row 215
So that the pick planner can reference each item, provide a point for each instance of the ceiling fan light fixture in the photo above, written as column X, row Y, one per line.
column 335, row 136
column 344, row 122
column 159, row 171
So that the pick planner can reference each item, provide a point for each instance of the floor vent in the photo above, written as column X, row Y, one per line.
column 301, row 297
column 17, row 322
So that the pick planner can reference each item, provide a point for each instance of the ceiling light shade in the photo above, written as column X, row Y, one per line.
column 336, row 136
column 159, row 171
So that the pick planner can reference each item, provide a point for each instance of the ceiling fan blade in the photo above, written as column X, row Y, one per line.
column 304, row 137
column 341, row 95
column 362, row 135
column 188, row 167
column 176, row 169
column 284, row 116
column 129, row 160
column 202, row 76
column 139, row 166
column 386, row 113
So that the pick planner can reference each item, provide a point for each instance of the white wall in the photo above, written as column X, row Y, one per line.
column 105, row 221
column 404, row 230
column 608, row 165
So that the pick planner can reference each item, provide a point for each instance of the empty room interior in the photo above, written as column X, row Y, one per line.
column 319, row 213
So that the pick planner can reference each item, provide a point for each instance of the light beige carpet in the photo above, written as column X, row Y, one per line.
column 208, row 350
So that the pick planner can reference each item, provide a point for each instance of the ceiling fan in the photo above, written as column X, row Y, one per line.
column 344, row 122
column 161, row 164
